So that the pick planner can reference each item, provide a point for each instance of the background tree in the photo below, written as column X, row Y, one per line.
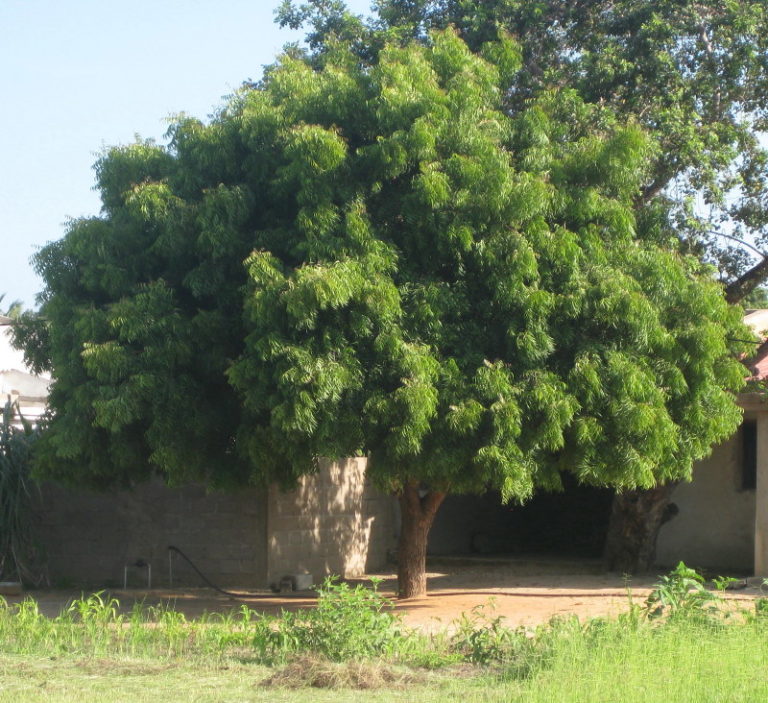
column 757, row 299
column 380, row 259
column 693, row 73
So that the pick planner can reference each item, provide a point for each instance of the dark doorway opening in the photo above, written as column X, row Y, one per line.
column 571, row 523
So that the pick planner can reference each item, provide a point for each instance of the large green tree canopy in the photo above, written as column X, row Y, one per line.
column 694, row 73
column 379, row 259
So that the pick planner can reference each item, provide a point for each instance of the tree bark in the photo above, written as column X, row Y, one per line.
column 417, row 512
column 739, row 289
column 636, row 517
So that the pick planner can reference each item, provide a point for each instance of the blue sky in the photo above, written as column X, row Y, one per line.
column 79, row 75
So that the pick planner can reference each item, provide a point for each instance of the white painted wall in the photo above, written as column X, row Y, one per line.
column 17, row 383
column 716, row 524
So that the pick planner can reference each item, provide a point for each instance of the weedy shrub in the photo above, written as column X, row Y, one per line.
column 761, row 607
column 23, row 628
column 481, row 638
column 93, row 623
column 230, row 631
column 347, row 623
column 760, row 612
column 682, row 594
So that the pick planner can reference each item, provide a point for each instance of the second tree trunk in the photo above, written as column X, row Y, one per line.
column 636, row 518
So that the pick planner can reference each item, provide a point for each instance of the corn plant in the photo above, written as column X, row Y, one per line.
column 18, row 555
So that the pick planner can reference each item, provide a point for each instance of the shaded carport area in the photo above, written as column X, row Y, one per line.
column 572, row 523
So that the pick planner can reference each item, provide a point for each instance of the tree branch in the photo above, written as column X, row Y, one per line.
column 431, row 502
column 710, row 50
column 425, row 505
column 410, row 495
column 739, row 289
column 743, row 243
column 651, row 191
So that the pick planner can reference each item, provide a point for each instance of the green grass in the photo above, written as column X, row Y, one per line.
column 33, row 680
column 686, row 662
column 353, row 648
column 680, row 661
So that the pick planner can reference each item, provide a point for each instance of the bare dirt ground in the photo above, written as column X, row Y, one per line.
column 523, row 592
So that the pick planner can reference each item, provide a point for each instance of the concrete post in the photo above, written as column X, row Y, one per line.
column 761, row 498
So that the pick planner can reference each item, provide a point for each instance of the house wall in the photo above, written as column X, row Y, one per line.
column 761, row 497
column 335, row 522
column 17, row 384
column 715, row 526
column 89, row 537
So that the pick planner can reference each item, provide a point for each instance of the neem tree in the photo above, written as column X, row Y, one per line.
column 378, row 259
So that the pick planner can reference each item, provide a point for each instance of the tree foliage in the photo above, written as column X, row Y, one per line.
column 694, row 74
column 379, row 257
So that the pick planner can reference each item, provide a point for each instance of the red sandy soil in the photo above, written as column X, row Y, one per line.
column 522, row 592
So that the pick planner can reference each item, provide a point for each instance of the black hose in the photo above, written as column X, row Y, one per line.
column 212, row 585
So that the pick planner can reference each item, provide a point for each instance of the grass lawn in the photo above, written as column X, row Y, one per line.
column 604, row 662
column 31, row 680
column 352, row 648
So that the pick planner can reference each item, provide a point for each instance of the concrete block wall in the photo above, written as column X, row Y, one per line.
column 89, row 537
column 335, row 522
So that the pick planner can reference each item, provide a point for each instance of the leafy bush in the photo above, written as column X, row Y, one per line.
column 346, row 623
column 481, row 638
column 19, row 559
column 682, row 593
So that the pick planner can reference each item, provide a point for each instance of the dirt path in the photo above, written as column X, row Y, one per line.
column 523, row 594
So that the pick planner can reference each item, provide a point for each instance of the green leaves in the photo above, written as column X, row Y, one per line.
column 689, row 74
column 18, row 553
column 381, row 259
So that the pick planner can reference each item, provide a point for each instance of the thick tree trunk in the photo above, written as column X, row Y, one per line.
column 636, row 517
column 417, row 512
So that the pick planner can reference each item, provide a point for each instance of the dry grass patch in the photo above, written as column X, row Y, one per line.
column 111, row 667
column 316, row 672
